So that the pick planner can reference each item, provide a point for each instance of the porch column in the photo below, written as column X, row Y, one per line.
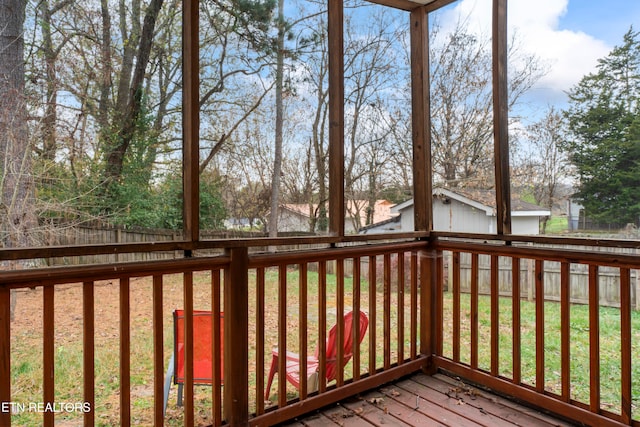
column 336, row 118
column 501, row 117
column 421, row 120
column 191, row 119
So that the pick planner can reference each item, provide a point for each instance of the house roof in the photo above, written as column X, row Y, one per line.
column 393, row 220
column 484, row 200
column 382, row 209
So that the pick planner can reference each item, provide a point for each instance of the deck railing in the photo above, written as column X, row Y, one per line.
column 284, row 300
column 572, row 359
column 424, row 313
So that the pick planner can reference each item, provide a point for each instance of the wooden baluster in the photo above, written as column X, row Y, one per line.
column 516, row 352
column 88, row 353
column 218, row 359
column 495, row 316
column 400, row 303
column 625, row 343
column 158, row 352
column 456, row 306
column 373, row 295
column 594, row 339
column 357, row 282
column 387, row 311
column 539, row 279
column 5, row 352
column 340, row 322
column 125, row 352
column 565, row 328
column 304, row 329
column 474, row 310
column 48, row 354
column 414, row 305
column 282, row 335
column 187, row 289
column 322, row 326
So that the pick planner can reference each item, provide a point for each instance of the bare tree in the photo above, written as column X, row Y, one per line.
column 16, row 181
column 461, row 100
column 549, row 163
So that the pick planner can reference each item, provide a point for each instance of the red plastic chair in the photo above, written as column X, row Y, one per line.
column 202, row 354
column 313, row 362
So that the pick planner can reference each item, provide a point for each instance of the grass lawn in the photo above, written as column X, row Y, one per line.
column 557, row 224
column 610, row 344
column 27, row 339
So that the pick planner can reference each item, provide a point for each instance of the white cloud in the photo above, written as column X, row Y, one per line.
column 569, row 54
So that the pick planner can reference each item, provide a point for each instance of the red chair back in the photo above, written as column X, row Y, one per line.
column 347, row 344
column 202, row 348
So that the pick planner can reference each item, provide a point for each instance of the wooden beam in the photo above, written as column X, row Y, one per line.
column 336, row 118
column 190, row 119
column 500, row 117
column 421, row 120
column 411, row 5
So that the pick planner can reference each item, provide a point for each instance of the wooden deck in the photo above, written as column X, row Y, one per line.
column 428, row 401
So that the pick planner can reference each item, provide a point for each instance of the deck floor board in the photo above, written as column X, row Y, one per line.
column 422, row 400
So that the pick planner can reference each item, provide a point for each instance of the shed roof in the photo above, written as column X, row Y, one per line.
column 481, row 199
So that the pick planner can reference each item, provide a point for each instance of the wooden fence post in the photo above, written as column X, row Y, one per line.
column 236, row 338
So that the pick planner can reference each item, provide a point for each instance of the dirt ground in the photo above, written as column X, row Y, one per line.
column 68, row 314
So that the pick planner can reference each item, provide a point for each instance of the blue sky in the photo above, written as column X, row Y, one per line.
column 607, row 20
column 568, row 35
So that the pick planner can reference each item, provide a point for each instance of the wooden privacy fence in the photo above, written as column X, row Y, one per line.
column 608, row 279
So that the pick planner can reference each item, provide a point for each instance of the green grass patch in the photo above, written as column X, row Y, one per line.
column 610, row 346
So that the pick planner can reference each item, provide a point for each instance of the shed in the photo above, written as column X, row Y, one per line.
column 466, row 211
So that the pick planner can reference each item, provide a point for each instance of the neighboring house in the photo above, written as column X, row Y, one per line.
column 297, row 217
column 467, row 211
column 575, row 211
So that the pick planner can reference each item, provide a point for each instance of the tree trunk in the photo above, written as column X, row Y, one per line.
column 127, row 126
column 277, row 160
column 16, row 182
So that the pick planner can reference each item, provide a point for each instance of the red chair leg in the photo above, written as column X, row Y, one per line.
column 272, row 373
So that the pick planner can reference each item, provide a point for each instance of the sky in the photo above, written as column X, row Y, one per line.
column 568, row 35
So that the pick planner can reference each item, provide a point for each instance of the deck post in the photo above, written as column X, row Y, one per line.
column 236, row 337
column 421, row 120
column 501, row 117
column 428, row 309
column 336, row 117
column 191, row 119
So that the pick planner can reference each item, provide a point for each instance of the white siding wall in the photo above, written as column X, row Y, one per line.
column 457, row 216
column 525, row 224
